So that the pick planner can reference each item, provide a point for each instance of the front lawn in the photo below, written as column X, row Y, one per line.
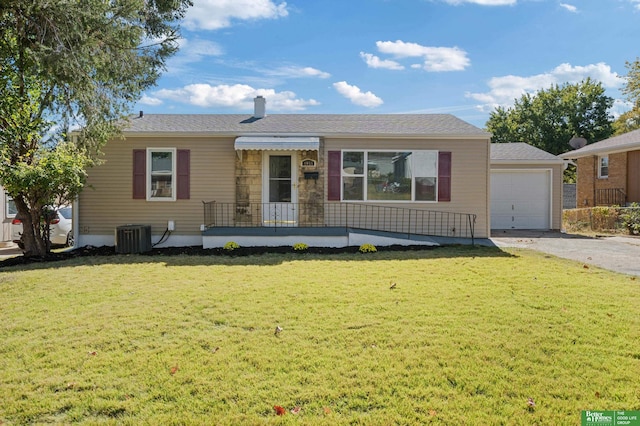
column 465, row 336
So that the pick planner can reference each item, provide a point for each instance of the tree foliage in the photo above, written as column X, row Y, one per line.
column 632, row 85
column 630, row 120
column 627, row 121
column 551, row 117
column 71, row 65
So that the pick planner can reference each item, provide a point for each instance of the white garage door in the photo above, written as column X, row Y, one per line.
column 520, row 199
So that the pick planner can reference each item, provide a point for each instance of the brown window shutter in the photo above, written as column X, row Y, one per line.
column 444, row 176
column 183, row 174
column 333, row 173
column 139, row 174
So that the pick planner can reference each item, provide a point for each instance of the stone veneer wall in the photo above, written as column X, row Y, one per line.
column 311, row 191
column 249, row 187
column 588, row 182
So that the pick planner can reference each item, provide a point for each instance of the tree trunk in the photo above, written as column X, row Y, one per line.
column 34, row 243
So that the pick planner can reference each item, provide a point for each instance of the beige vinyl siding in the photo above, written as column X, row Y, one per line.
column 469, row 172
column 556, row 186
column 107, row 199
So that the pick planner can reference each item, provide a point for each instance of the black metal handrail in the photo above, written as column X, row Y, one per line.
column 610, row 197
column 375, row 217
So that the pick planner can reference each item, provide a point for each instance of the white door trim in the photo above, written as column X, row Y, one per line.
column 279, row 214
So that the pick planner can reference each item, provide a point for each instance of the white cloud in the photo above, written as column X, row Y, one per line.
column 238, row 96
column 436, row 59
column 484, row 2
column 504, row 90
column 373, row 61
column 636, row 3
column 148, row 100
column 216, row 14
column 298, row 72
column 199, row 48
column 192, row 51
column 356, row 96
column 619, row 107
column 569, row 7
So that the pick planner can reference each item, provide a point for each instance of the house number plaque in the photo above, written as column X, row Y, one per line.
column 308, row 162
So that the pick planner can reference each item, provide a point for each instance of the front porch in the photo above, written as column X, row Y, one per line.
column 330, row 224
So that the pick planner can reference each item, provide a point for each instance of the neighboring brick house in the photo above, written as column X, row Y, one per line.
column 608, row 171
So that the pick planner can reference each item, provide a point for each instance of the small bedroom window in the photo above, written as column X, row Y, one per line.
column 603, row 167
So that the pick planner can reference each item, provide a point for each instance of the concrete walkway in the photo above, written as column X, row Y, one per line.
column 616, row 253
column 8, row 249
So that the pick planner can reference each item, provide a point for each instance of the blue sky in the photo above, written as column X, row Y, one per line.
column 462, row 57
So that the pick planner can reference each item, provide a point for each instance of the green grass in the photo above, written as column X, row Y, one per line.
column 466, row 337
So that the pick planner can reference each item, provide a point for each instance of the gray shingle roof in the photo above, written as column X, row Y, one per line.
column 627, row 142
column 520, row 151
column 306, row 124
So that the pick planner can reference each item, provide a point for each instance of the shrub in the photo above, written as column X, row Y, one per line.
column 604, row 218
column 300, row 247
column 631, row 218
column 368, row 248
column 230, row 246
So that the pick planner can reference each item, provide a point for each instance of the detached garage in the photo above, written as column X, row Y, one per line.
column 526, row 187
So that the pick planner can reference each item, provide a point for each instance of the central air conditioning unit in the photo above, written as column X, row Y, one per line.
column 133, row 239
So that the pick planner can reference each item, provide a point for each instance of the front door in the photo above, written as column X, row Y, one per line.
column 279, row 189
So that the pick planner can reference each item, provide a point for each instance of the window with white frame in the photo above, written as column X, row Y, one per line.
column 161, row 166
column 10, row 206
column 603, row 167
column 389, row 175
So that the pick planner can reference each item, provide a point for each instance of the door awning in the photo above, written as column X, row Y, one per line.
column 309, row 143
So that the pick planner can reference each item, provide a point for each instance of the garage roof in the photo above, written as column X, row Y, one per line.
column 521, row 153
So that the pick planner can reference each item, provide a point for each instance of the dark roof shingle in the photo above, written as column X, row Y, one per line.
column 520, row 151
column 625, row 142
column 306, row 124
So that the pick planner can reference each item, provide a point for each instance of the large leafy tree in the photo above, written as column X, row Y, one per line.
column 67, row 65
column 549, row 118
column 630, row 120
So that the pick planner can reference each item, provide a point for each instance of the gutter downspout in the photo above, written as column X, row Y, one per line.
column 595, row 177
column 488, row 198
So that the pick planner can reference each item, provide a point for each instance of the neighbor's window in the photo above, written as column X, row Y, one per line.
column 161, row 164
column 603, row 169
column 389, row 175
column 10, row 207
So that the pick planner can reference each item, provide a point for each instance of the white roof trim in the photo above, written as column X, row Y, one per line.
column 291, row 143
column 524, row 161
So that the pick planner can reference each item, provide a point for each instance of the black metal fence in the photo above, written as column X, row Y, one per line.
column 610, row 197
column 349, row 215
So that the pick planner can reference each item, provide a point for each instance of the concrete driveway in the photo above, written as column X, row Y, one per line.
column 616, row 253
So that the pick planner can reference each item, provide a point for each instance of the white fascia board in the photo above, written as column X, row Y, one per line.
column 525, row 162
column 603, row 151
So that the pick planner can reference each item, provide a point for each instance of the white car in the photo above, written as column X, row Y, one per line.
column 60, row 228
